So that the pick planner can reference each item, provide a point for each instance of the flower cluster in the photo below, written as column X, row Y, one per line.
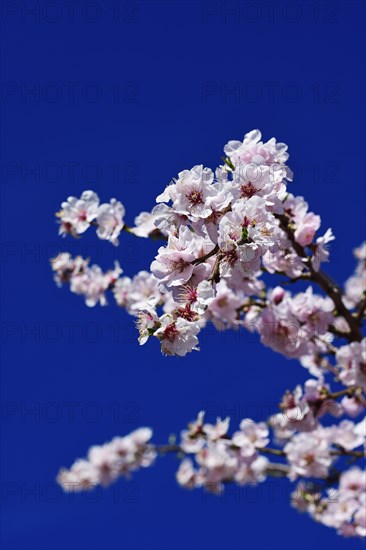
column 221, row 459
column 293, row 326
column 89, row 281
column 105, row 463
column 226, row 232
column 222, row 229
column 355, row 286
column 310, row 453
column 351, row 361
column 76, row 216
column 302, row 408
column 343, row 508
column 211, row 458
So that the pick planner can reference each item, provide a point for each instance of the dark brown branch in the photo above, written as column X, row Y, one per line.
column 324, row 281
column 202, row 259
column 337, row 332
column 361, row 311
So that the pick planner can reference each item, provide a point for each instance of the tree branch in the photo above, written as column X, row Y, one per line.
column 324, row 281
column 361, row 311
column 273, row 469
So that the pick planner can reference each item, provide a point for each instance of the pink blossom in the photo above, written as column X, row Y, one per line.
column 177, row 337
column 173, row 265
column 309, row 454
column 77, row 214
column 251, row 436
column 110, row 221
column 105, row 463
column 189, row 193
column 352, row 361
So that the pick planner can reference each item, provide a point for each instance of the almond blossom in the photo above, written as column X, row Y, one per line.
column 177, row 337
column 342, row 509
column 173, row 265
column 105, row 463
column 110, row 221
column 76, row 215
column 309, row 454
column 190, row 193
column 352, row 361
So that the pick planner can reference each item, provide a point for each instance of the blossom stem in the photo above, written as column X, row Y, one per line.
column 269, row 451
column 202, row 259
column 277, row 470
column 356, row 454
column 215, row 275
column 331, row 349
column 347, row 391
column 163, row 449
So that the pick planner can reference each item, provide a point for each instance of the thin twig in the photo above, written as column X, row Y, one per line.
column 277, row 452
column 353, row 390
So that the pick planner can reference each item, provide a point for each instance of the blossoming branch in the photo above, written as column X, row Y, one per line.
column 226, row 233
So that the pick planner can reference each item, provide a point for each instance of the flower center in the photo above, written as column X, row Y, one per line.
column 195, row 197
column 187, row 313
column 222, row 302
column 231, row 257
column 282, row 330
column 179, row 265
column 309, row 458
column 247, row 190
column 171, row 332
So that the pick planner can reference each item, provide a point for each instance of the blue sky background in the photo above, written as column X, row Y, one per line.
column 125, row 95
